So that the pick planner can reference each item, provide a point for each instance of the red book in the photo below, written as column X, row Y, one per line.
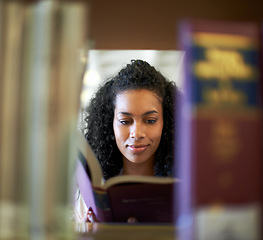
column 149, row 199
column 220, row 131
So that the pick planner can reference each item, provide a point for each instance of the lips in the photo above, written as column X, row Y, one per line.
column 137, row 148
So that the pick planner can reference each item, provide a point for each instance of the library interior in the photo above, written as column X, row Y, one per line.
column 54, row 56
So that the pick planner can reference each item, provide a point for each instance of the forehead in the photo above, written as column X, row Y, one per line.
column 138, row 100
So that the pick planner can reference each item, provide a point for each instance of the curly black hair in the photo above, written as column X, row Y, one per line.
column 100, row 113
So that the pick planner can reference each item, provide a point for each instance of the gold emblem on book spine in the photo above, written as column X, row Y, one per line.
column 224, row 65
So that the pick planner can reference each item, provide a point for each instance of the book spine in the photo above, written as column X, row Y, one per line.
column 40, row 78
column 103, row 208
column 56, row 32
column 220, row 160
column 13, row 208
column 66, row 81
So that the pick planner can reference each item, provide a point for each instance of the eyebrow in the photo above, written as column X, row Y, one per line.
column 146, row 113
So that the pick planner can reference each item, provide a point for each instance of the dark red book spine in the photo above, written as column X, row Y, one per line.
column 220, row 136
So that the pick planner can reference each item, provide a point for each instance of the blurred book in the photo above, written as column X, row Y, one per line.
column 13, row 207
column 41, row 78
column 220, row 131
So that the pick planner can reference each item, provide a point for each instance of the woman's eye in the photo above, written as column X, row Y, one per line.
column 151, row 121
column 124, row 122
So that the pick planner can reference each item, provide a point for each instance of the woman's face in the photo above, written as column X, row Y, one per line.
column 138, row 124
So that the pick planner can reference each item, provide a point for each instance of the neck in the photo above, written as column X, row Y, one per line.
column 141, row 169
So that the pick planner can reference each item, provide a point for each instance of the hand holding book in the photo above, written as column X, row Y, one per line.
column 91, row 217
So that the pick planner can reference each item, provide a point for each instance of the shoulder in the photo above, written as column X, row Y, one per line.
column 80, row 209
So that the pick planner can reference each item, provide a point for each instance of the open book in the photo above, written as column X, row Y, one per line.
column 147, row 198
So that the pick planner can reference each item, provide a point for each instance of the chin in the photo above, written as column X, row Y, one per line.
column 137, row 161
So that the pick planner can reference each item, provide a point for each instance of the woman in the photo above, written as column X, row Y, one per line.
column 130, row 125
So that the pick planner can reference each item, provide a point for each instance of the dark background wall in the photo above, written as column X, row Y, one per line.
column 151, row 24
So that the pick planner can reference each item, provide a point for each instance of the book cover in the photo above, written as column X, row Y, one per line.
column 147, row 198
column 220, row 158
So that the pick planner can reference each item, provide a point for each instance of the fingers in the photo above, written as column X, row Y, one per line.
column 91, row 217
column 132, row 220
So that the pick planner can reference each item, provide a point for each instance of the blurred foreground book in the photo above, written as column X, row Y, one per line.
column 40, row 77
column 220, row 132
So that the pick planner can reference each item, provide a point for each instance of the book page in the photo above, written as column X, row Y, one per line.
column 85, row 186
column 138, row 179
column 92, row 161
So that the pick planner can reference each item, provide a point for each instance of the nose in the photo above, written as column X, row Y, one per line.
column 137, row 131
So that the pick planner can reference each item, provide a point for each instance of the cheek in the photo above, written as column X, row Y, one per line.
column 159, row 135
column 158, row 131
column 120, row 138
column 119, row 133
